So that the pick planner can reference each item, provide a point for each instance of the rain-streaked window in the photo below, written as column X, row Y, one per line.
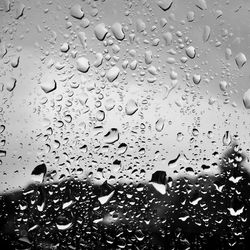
column 124, row 124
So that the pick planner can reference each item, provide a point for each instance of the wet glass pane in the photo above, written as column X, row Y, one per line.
column 124, row 124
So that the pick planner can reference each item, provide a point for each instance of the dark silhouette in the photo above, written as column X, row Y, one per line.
column 202, row 213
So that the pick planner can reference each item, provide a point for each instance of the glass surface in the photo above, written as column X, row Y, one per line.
column 124, row 124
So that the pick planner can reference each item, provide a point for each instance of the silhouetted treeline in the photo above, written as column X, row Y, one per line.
column 201, row 213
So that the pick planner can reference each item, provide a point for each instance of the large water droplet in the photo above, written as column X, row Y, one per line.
column 112, row 136
column 38, row 173
column 118, row 31
column 190, row 16
column 100, row 31
column 223, row 85
column 158, row 181
column 131, row 107
column 159, row 125
column 165, row 4
column 190, row 51
column 201, row 4
column 49, row 86
column 246, row 99
column 82, row 64
column 227, row 139
column 240, row 60
column 19, row 10
column 11, row 84
column 2, row 153
column 148, row 57
column 113, row 73
column 168, row 38
column 76, row 11
column 140, row 25
column 64, row 222
column 206, row 33
column 196, row 79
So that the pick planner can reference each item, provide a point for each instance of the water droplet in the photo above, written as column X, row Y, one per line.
column 76, row 11
column 152, row 70
column 82, row 37
column 228, row 53
column 118, row 31
column 49, row 86
column 158, row 181
column 165, row 4
column 195, row 132
column 15, row 61
column 246, row 99
column 64, row 222
column 196, row 79
column 131, row 107
column 99, row 60
column 190, row 52
column 122, row 148
column 106, row 198
column 167, row 36
column 206, row 33
column 2, row 128
column 100, row 115
column 100, row 31
column 163, row 22
column 83, row 64
column 227, row 139
column 180, row 136
column 190, row 16
column 148, row 57
column 19, row 10
column 112, row 136
column 218, row 13
column 2, row 153
column 240, row 60
column 65, row 47
column 109, row 104
column 113, row 73
column 236, row 212
column 223, row 85
column 201, row 4
column 11, row 84
column 140, row 25
column 159, row 125
column 180, row 158
column 38, row 173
